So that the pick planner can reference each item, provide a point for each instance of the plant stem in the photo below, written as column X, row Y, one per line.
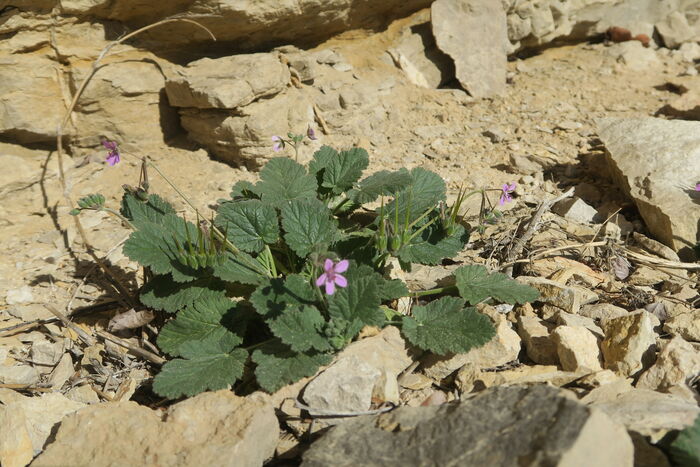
column 118, row 215
column 259, row 344
column 439, row 290
column 271, row 261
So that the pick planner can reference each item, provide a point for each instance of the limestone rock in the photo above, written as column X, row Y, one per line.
column 15, row 443
column 577, row 348
column 345, row 386
column 649, row 413
column 630, row 343
column 686, row 325
column 540, row 424
column 634, row 56
column 227, row 82
column 568, row 298
column 539, row 344
column 529, row 375
column 388, row 353
column 213, row 428
column 655, row 247
column 19, row 374
column 569, row 319
column 602, row 311
column 417, row 55
column 677, row 364
column 577, row 210
column 474, row 34
column 503, row 348
column 675, row 30
column 40, row 415
column 650, row 158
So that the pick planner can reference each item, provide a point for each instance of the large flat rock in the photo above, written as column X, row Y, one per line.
column 657, row 164
column 503, row 426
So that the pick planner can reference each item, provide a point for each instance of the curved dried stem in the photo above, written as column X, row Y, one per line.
column 96, row 65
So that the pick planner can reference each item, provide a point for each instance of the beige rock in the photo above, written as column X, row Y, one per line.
column 602, row 311
column 527, row 374
column 649, row 413
column 227, row 82
column 15, row 443
column 46, row 352
column 83, row 394
column 577, row 349
column 539, row 344
column 41, row 413
column 598, row 379
column 630, row 343
column 646, row 157
column 677, row 363
column 213, row 429
column 644, row 275
column 503, row 348
column 569, row 319
column 561, row 269
column 655, row 247
column 19, row 374
column 686, row 325
column 568, row 298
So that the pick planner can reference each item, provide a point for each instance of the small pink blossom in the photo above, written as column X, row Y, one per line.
column 697, row 187
column 279, row 144
column 113, row 157
column 506, row 190
column 331, row 277
column 311, row 133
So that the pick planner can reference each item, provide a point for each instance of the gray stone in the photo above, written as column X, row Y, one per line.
column 474, row 33
column 496, row 428
column 345, row 386
column 21, row 295
column 575, row 209
column 651, row 159
column 227, row 82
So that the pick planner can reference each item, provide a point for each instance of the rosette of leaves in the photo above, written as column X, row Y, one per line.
column 242, row 291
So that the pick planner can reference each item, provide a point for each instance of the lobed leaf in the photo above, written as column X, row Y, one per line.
column 162, row 293
column 211, row 364
column 245, row 190
column 276, row 295
column 475, row 284
column 283, row 179
column 321, row 159
column 444, row 326
column 424, row 192
column 308, row 226
column 382, row 183
column 249, row 224
column 431, row 246
column 344, row 169
column 278, row 365
column 360, row 299
column 139, row 211
column 241, row 268
column 300, row 328
column 213, row 318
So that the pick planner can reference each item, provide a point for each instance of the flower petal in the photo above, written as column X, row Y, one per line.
column 321, row 279
column 328, row 265
column 342, row 266
column 330, row 288
column 340, row 281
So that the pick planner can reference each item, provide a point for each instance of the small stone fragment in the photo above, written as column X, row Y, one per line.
column 630, row 343
column 686, row 325
column 539, row 344
column 678, row 362
column 18, row 296
column 602, row 311
column 19, row 374
column 577, row 349
column 575, row 209
column 568, row 298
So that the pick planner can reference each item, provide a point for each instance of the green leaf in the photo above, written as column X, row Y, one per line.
column 275, row 295
column 393, row 289
column 211, row 364
column 162, row 293
column 685, row 449
column 345, row 169
column 321, row 159
column 283, row 179
column 213, row 318
column 360, row 299
column 92, row 201
column 431, row 246
column 241, row 268
column 244, row 189
column 444, row 326
column 139, row 211
column 475, row 284
column 278, row 365
column 382, row 183
column 153, row 246
column 249, row 224
column 424, row 192
column 308, row 226
column 300, row 328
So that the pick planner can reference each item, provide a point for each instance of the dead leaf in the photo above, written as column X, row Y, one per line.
column 621, row 267
column 131, row 319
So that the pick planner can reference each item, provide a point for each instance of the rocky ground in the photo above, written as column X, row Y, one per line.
column 616, row 326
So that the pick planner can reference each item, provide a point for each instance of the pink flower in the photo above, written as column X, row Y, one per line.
column 279, row 144
column 113, row 157
column 331, row 277
column 697, row 187
column 506, row 190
